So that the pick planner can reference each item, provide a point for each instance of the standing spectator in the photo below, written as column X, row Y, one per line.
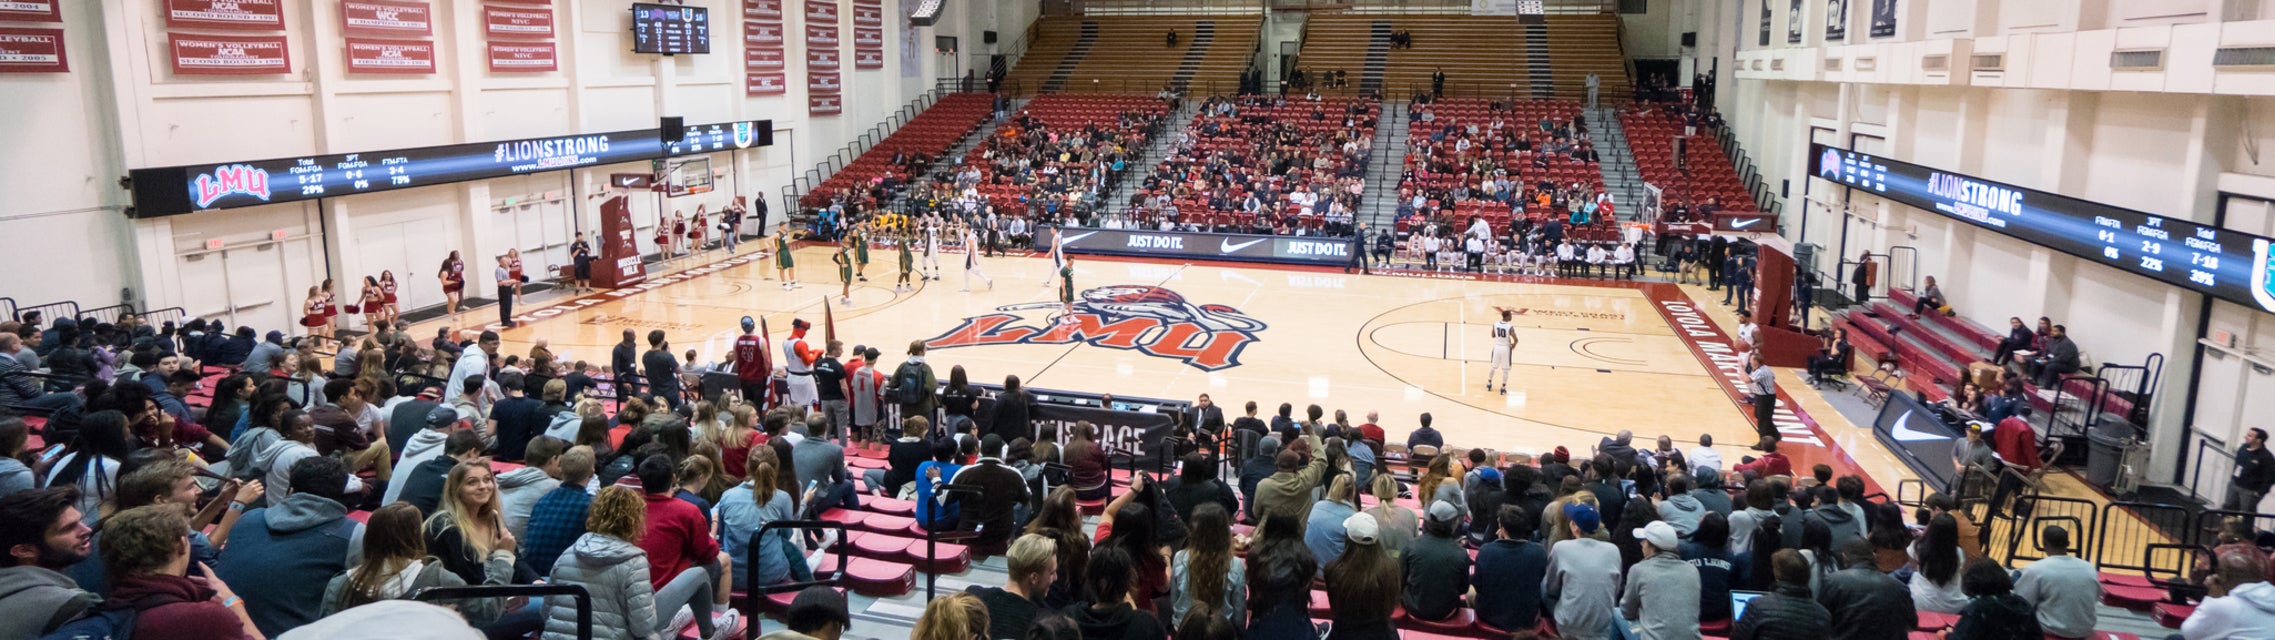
column 623, row 362
column 661, row 369
column 2064, row 588
column 829, row 383
column 2254, row 472
column 1013, row 408
column 1993, row 610
column 474, row 362
column 1011, row 610
column 558, row 517
column 1508, row 574
column 43, row 534
column 1865, row 604
column 1363, row 585
column 1663, row 586
column 1786, row 613
column 146, row 554
column 280, row 553
column 913, row 385
column 1583, row 577
column 1435, row 567
column 751, row 360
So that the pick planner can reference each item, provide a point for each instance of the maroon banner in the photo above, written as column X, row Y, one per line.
column 821, row 36
column 250, row 15
column 769, row 10
column 869, row 38
column 390, row 56
column 868, row 59
column 765, row 60
column 759, row 34
column 517, row 22
column 818, row 59
column 824, row 82
column 32, row 51
column 824, row 104
column 31, row 10
column 386, row 18
column 868, row 14
column 547, row 2
column 522, row 57
column 821, row 12
column 229, row 55
column 767, row 83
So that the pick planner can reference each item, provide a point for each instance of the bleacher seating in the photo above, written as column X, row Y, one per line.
column 1228, row 154
column 1709, row 174
column 1060, row 117
column 929, row 135
column 1936, row 349
column 1128, row 53
column 1482, row 56
column 1580, row 44
column 1435, row 169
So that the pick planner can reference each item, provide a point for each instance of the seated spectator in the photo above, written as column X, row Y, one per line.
column 1323, row 527
column 1937, row 586
column 1993, row 610
column 147, row 556
column 92, row 461
column 1786, row 613
column 1205, row 575
column 1864, row 602
column 956, row 616
column 817, row 613
column 1707, row 551
column 2059, row 358
column 1109, row 614
column 2064, row 588
column 821, row 464
column 1363, row 584
column 1089, row 474
column 1032, row 562
column 1662, row 586
column 395, row 565
column 280, row 553
column 1508, row 574
column 1970, row 534
column 1435, row 567
column 686, row 566
column 615, row 571
column 1931, row 297
column 558, row 517
column 427, row 443
column 902, row 457
column 423, row 484
column 1287, row 493
column 996, row 491
column 515, row 418
column 1681, row 510
column 1261, row 464
column 520, row 489
column 43, row 534
column 466, row 531
column 1425, row 435
column 1583, row 576
column 2240, row 603
column 1399, row 523
column 748, row 507
column 1770, row 464
column 932, row 507
column 2018, row 338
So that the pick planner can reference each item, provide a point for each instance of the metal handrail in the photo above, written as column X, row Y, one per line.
column 577, row 593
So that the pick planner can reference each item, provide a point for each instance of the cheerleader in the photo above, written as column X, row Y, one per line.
column 331, row 309
column 513, row 273
column 695, row 229
column 312, row 313
column 453, row 277
column 663, row 240
column 372, row 303
column 387, row 288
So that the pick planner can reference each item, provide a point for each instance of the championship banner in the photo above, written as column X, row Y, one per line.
column 390, row 56
column 824, row 104
column 868, row 13
column 823, row 59
column 31, row 10
column 249, row 15
column 765, row 60
column 767, row 83
column 386, row 18
column 868, row 59
column 517, row 57
column 824, row 82
column 517, row 22
column 229, row 55
column 32, row 51
column 1237, row 247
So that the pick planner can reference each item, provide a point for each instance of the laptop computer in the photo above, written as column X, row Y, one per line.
column 1739, row 599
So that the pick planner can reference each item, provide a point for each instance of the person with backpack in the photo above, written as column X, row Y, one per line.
column 42, row 534
column 913, row 384
column 147, row 552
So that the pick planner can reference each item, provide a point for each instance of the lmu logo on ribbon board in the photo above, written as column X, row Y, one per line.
column 1151, row 320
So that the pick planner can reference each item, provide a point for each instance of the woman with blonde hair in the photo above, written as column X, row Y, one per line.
column 708, row 427
column 1438, row 484
column 957, row 616
column 396, row 567
column 737, row 440
column 1398, row 522
column 608, row 562
column 467, row 530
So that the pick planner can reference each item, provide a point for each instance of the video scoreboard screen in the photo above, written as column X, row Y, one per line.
column 670, row 29
column 165, row 191
column 2228, row 264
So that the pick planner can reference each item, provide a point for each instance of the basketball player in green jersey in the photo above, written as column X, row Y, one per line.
column 784, row 267
column 861, row 251
column 1066, row 289
column 844, row 272
column 908, row 261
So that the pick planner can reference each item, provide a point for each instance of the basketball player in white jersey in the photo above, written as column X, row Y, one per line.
column 972, row 260
column 1504, row 341
column 931, row 253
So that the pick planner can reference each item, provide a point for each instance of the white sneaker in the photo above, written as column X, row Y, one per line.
column 723, row 625
column 680, row 620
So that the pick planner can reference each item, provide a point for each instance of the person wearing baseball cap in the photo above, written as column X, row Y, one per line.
column 1436, row 565
column 1662, row 590
column 1363, row 584
column 427, row 444
column 1583, row 577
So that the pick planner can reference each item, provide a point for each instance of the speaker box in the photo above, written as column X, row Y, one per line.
column 673, row 128
column 1690, row 38
column 987, row 37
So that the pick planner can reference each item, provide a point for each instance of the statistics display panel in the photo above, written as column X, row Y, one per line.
column 2231, row 265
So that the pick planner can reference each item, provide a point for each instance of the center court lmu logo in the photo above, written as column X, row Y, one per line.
column 1151, row 320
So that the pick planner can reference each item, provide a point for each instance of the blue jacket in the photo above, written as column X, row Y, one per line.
column 1507, row 577
column 279, row 558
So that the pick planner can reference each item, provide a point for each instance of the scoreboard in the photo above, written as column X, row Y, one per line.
column 166, row 191
column 670, row 29
column 2228, row 264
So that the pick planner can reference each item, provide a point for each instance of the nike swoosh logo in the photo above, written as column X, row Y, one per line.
column 1228, row 247
column 1903, row 431
column 1741, row 224
column 1066, row 240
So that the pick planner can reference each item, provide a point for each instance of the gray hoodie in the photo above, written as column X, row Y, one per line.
column 518, row 491
column 615, row 573
column 427, row 443
column 250, row 445
column 301, row 513
column 1682, row 512
column 1843, row 522
column 33, row 600
column 1662, row 593
column 2246, row 612
column 14, row 476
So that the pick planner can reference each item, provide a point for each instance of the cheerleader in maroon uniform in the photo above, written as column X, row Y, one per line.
column 372, row 303
column 331, row 308
column 678, row 230
column 453, row 277
column 695, row 231
column 513, row 273
column 312, row 314
column 387, row 289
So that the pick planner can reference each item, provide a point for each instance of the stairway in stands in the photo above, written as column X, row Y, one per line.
column 1536, row 60
column 1073, row 57
column 1149, row 158
column 1204, row 34
column 1389, row 158
column 950, row 160
column 1378, row 57
column 1621, row 175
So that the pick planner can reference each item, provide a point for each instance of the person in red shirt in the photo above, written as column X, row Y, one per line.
column 685, row 565
column 751, row 364
column 1771, row 463
column 147, row 556
column 1370, row 430
column 2016, row 442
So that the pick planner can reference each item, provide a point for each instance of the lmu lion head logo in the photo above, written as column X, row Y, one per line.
column 1151, row 320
